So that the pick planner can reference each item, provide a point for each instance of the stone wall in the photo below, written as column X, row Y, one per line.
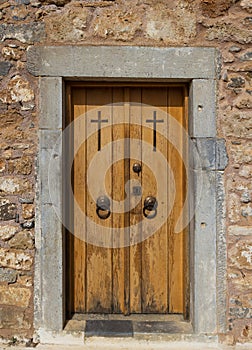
column 224, row 24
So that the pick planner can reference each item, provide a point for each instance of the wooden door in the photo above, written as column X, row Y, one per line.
column 132, row 261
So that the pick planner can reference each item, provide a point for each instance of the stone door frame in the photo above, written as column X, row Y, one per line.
column 197, row 66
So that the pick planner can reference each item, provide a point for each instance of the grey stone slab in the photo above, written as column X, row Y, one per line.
column 209, row 154
column 50, row 171
column 171, row 327
column 52, row 267
column 205, row 157
column 204, row 261
column 122, row 62
column 48, row 139
column 50, row 167
column 202, row 103
column 5, row 67
column 51, row 103
column 221, row 155
column 108, row 328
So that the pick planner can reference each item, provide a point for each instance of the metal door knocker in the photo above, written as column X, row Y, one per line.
column 137, row 168
column 103, row 207
column 150, row 205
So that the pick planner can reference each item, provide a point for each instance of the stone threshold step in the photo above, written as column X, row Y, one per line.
column 124, row 344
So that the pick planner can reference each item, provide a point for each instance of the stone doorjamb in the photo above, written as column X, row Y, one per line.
column 197, row 66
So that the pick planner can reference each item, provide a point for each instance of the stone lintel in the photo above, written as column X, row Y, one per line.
column 123, row 62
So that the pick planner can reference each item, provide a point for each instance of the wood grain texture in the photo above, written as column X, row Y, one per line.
column 119, row 173
column 69, row 210
column 135, row 278
column 79, row 260
column 151, row 276
column 154, row 248
column 99, row 259
column 176, row 258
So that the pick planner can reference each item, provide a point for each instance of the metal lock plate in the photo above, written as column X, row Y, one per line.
column 137, row 190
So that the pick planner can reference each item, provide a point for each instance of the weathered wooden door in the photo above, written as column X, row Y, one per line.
column 125, row 256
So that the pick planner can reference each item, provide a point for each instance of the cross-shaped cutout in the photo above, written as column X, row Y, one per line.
column 154, row 121
column 99, row 121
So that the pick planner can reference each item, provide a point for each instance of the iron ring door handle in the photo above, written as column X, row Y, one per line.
column 150, row 205
column 103, row 207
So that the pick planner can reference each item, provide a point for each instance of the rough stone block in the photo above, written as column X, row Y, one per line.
column 240, row 312
column 111, row 24
column 19, row 90
column 16, row 296
column 28, row 33
column 240, row 230
column 229, row 31
column 234, row 208
column 5, row 67
column 8, row 275
column 22, row 240
column 13, row 318
column 240, row 153
column 213, row 8
column 237, row 125
column 21, row 166
column 27, row 211
column 70, row 25
column 8, row 231
column 246, row 171
column 169, row 25
column 25, row 279
column 7, row 210
column 240, row 254
column 18, row 260
column 14, row 185
column 246, row 4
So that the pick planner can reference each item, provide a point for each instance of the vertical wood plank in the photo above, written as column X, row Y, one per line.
column 176, row 258
column 118, row 191
column 99, row 259
column 68, row 207
column 79, row 245
column 127, row 214
column 155, row 249
column 135, row 201
column 186, row 281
